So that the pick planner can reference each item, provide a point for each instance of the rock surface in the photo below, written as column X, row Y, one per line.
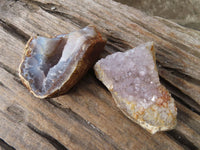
column 133, row 80
column 51, row 66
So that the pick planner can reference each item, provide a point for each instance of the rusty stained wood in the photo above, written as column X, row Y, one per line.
column 86, row 117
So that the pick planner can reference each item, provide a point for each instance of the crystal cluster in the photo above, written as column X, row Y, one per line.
column 51, row 66
column 133, row 80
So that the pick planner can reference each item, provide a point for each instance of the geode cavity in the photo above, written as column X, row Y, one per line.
column 51, row 66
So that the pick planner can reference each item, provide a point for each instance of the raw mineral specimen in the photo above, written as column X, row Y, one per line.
column 51, row 66
column 133, row 81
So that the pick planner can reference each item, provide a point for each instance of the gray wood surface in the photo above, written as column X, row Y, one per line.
column 86, row 117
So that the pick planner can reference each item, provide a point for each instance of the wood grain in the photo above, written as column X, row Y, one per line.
column 87, row 117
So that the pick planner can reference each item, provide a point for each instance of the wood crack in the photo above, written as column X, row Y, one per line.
column 183, row 76
column 53, row 9
column 184, row 83
column 67, row 17
column 17, row 79
column 9, row 70
column 5, row 145
column 3, row 85
column 14, row 31
column 117, row 43
column 187, row 105
column 182, row 140
column 87, row 124
column 73, row 138
column 184, row 99
column 184, row 117
column 49, row 138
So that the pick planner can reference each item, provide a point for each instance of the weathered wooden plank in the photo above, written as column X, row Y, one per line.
column 17, row 134
column 88, row 110
column 177, row 47
column 124, row 139
column 90, row 105
column 188, row 124
column 11, row 50
column 65, row 127
column 49, row 119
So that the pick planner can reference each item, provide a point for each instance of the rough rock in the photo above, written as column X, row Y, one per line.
column 133, row 81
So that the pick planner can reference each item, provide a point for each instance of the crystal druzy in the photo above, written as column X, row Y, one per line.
column 51, row 66
column 133, row 80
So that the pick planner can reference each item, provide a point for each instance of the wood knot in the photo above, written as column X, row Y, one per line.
column 15, row 113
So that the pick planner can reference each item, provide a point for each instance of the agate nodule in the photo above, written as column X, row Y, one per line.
column 51, row 66
column 133, row 81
